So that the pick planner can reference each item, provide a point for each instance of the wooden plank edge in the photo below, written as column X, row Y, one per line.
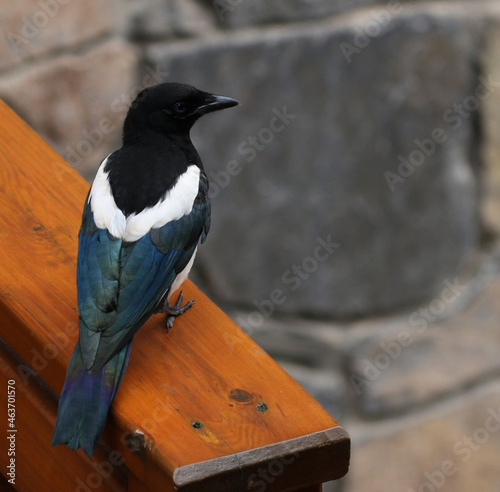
column 262, row 468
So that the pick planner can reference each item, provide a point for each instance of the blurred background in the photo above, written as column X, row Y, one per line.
column 355, row 191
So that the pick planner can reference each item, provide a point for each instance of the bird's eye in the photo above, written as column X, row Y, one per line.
column 179, row 107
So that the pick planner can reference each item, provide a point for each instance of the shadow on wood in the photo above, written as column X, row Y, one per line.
column 202, row 408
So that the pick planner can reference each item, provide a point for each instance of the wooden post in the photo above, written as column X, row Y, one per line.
column 202, row 408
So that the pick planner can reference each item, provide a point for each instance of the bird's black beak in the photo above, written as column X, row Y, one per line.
column 214, row 103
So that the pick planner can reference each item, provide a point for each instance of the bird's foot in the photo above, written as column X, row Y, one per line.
column 173, row 311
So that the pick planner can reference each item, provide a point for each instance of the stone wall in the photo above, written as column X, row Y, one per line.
column 356, row 194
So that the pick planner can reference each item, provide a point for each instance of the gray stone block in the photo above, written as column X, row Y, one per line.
column 313, row 344
column 161, row 19
column 306, row 218
column 491, row 124
column 452, row 448
column 425, row 358
column 242, row 13
column 238, row 13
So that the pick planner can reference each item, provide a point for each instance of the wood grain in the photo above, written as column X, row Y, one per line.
column 202, row 392
column 36, row 468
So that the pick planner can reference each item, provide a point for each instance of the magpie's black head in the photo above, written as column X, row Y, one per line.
column 170, row 108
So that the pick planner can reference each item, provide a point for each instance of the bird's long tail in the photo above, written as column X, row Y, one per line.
column 85, row 400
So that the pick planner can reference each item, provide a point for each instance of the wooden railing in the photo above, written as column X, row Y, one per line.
column 202, row 408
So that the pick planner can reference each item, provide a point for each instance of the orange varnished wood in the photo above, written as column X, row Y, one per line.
column 35, row 467
column 202, row 392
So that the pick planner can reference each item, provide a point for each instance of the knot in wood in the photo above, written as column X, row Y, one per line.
column 241, row 396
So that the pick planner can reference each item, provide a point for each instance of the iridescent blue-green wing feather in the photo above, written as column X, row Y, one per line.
column 85, row 399
column 148, row 269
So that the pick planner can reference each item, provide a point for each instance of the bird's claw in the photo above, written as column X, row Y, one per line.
column 176, row 310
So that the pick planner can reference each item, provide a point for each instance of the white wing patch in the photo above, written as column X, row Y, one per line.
column 176, row 203
column 106, row 214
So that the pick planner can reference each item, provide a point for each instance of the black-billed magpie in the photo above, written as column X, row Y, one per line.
column 146, row 212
